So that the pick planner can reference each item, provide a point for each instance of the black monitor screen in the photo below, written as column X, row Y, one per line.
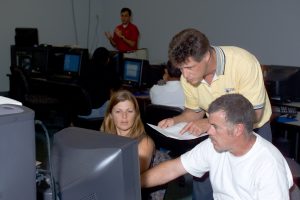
column 72, row 63
column 132, row 73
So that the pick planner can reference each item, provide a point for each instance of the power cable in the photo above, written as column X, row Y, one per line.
column 52, row 180
column 74, row 22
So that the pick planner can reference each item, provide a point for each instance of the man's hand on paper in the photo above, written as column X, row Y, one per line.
column 196, row 127
column 173, row 131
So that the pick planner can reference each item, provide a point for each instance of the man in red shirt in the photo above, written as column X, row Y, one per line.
column 125, row 37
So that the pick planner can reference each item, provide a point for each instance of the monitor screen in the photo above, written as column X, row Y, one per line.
column 88, row 164
column 56, row 57
column 66, row 61
column 132, row 72
column 72, row 63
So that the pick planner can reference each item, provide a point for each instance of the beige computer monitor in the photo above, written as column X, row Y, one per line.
column 141, row 54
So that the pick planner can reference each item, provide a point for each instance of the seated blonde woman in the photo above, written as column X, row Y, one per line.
column 123, row 118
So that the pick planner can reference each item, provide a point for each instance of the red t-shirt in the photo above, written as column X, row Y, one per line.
column 130, row 32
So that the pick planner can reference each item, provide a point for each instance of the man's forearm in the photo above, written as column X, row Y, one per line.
column 162, row 173
column 112, row 42
column 127, row 41
column 188, row 115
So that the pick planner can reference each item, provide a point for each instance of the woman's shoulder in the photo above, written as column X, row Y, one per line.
column 147, row 139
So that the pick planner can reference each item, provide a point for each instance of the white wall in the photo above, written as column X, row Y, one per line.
column 269, row 29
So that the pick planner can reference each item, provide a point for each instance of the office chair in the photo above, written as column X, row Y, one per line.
column 83, row 107
column 154, row 114
column 38, row 101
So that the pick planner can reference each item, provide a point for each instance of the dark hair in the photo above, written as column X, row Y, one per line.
column 100, row 56
column 237, row 108
column 188, row 43
column 126, row 10
column 173, row 71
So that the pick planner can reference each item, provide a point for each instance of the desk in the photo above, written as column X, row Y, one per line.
column 292, row 104
column 295, row 125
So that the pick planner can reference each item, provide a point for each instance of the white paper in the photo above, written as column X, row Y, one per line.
column 6, row 100
column 173, row 132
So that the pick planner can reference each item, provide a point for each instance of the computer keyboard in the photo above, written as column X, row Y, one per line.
column 291, row 112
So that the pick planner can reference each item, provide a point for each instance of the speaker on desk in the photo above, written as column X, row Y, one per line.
column 17, row 153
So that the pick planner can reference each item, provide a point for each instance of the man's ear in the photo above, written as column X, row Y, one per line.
column 239, row 129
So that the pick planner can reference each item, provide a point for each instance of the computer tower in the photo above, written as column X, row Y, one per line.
column 17, row 153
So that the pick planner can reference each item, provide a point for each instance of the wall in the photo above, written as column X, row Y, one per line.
column 269, row 29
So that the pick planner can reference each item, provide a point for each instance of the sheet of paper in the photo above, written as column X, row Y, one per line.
column 173, row 132
column 37, row 163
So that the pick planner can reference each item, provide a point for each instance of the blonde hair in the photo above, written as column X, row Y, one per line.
column 108, row 126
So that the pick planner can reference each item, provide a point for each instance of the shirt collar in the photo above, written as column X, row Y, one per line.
column 220, row 68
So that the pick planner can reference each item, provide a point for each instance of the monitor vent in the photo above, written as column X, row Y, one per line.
column 90, row 197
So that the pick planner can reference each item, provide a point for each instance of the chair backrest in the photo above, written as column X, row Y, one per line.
column 19, row 84
column 155, row 113
column 80, row 100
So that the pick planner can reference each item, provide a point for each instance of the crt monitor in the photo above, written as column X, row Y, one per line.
column 89, row 164
column 17, row 152
column 132, row 72
column 72, row 63
column 56, row 58
column 282, row 82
